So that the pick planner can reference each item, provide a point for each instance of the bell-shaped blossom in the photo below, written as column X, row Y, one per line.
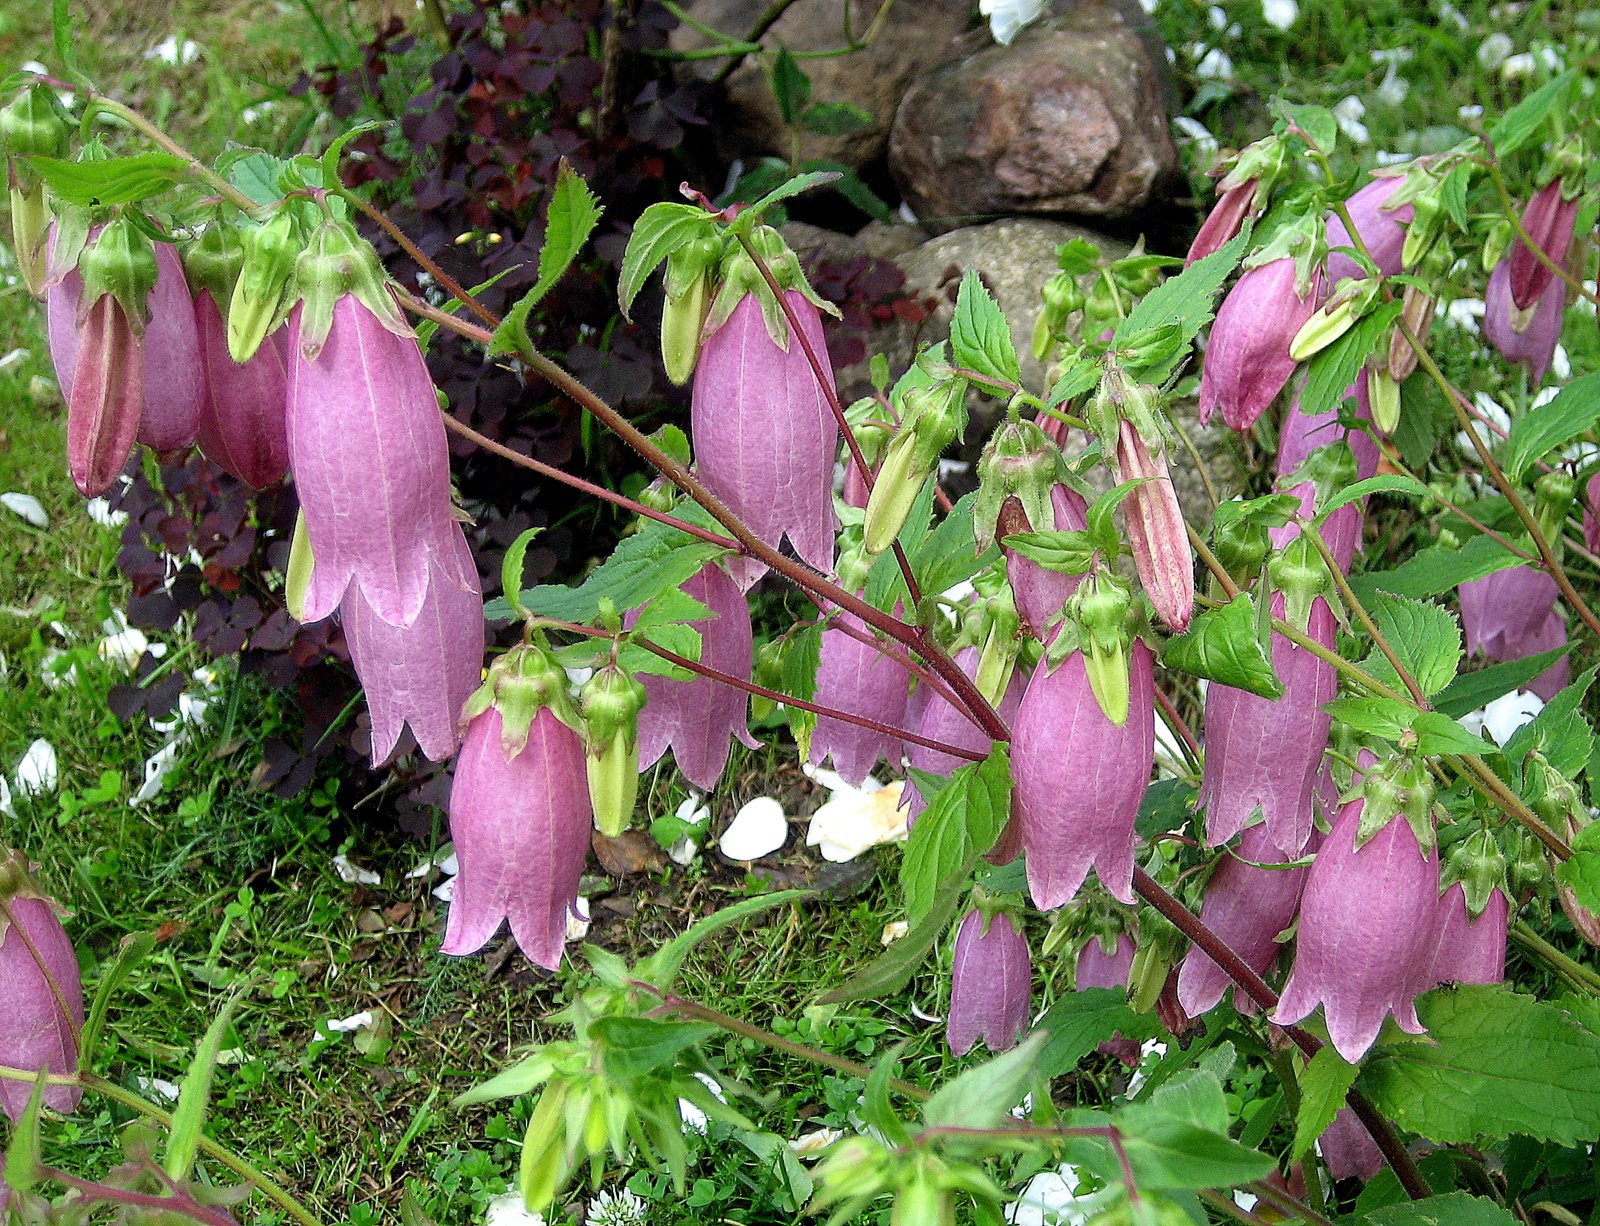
column 1366, row 933
column 1382, row 230
column 764, row 434
column 1247, row 358
column 1225, row 220
column 1304, row 433
column 420, row 674
column 174, row 378
column 1348, row 1148
column 1095, row 968
column 991, row 984
column 521, row 824
column 1079, row 778
column 1513, row 614
column 1264, row 753
column 936, row 718
column 1040, row 593
column 1247, row 907
column 243, row 424
column 857, row 677
column 1156, row 535
column 1527, row 336
column 698, row 718
column 1469, row 949
column 1549, row 221
column 43, row 994
column 371, row 464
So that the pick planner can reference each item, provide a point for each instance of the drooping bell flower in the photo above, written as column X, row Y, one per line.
column 1382, row 229
column 856, row 677
column 43, row 993
column 1247, row 359
column 1242, row 193
column 1549, row 220
column 1156, row 535
column 420, row 674
column 939, row 719
column 764, row 434
column 1527, row 336
column 174, row 379
column 1247, row 907
column 1366, row 931
column 991, row 984
column 699, row 718
column 1513, row 614
column 519, row 812
column 1471, row 949
column 1304, row 433
column 1098, row 968
column 1264, row 753
column 1348, row 1148
column 243, row 422
column 366, row 443
column 1079, row 778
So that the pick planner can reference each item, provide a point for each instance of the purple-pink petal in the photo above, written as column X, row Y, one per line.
column 991, row 985
column 856, row 677
column 938, row 719
column 1383, row 230
column 174, row 377
column 1549, row 220
column 521, row 829
column 1534, row 344
column 1469, row 950
column 243, row 418
column 1041, row 594
column 35, row 1032
column 1247, row 358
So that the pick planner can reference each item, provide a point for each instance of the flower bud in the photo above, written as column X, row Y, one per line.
column 1553, row 496
column 264, row 289
column 611, row 701
column 1019, row 461
column 688, row 301
column 1105, row 960
column 43, row 1013
column 991, row 984
column 1470, row 947
column 1157, row 537
column 859, row 678
column 1548, row 221
column 1102, row 608
column 932, row 417
column 1383, row 394
column 1495, row 243
column 1247, row 358
column 32, row 125
column 1000, row 641
column 1348, row 306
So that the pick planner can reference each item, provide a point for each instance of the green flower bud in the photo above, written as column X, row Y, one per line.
column 932, row 417
column 264, row 289
column 767, row 671
column 1495, row 244
column 1101, row 607
column 545, row 1167
column 1242, row 546
column 1383, row 393
column 1553, row 496
column 1479, row 865
column 34, row 125
column 1019, row 461
column 1529, row 871
column 611, row 701
column 688, row 291
column 298, row 576
column 1349, row 304
column 997, row 659
column 122, row 263
column 214, row 261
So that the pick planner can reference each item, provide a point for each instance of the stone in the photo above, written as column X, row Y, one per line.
column 916, row 35
column 1070, row 118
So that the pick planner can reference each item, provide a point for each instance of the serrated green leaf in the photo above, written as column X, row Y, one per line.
column 1317, row 122
column 1514, row 129
column 982, row 1097
column 980, row 337
column 1168, row 1152
column 1498, row 1063
column 124, row 180
column 1434, row 571
column 1437, row 733
column 1581, row 873
column 1450, row 1209
column 877, row 1110
column 1102, row 527
column 1269, row 511
column 1080, row 376
column 1078, row 1022
column 511, row 569
column 1186, row 301
column 960, row 824
column 1470, row 691
column 947, row 556
column 1574, row 409
column 571, row 218
column 1221, row 645
column 1388, row 483
column 1453, row 192
column 1384, row 717
column 634, row 1046
column 188, row 1118
column 1559, row 731
column 1168, row 805
column 791, row 88
column 1069, row 551
column 1426, row 638
column 256, row 175
column 1330, row 372
column 791, row 186
column 1324, row 1083
column 661, row 229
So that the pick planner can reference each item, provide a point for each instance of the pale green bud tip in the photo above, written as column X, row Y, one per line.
column 611, row 701
column 298, row 578
column 34, row 125
column 265, row 285
column 898, row 483
column 1383, row 393
column 613, row 772
column 120, row 262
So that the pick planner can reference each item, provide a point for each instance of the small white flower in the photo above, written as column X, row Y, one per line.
column 1348, row 112
column 1560, row 364
column 619, row 1208
column 758, row 829
column 1280, row 14
column 1494, row 50
column 1150, row 6
column 1449, row 12
column 1150, row 1047
column 854, row 819
column 156, row 769
column 349, row 1025
column 1214, row 65
column 1205, row 144
column 171, row 51
column 1007, row 17
column 444, row 860
column 1468, row 113
column 1521, row 65
column 1464, row 313
column 509, row 1210
column 1051, row 1198
column 1385, row 157
column 37, row 773
column 26, row 506
column 1216, row 18
column 354, row 874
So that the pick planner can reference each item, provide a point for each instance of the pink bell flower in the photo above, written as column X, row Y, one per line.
column 764, row 434
column 1156, row 534
column 1382, row 230
column 371, row 465
column 1247, row 907
column 422, row 673
column 1527, row 336
column 1366, row 932
column 1591, row 514
column 991, row 984
column 1247, row 360
column 1549, row 221
column 43, row 993
column 243, row 422
column 521, row 824
column 933, row 716
column 856, row 677
column 1469, row 950
column 1513, row 614
column 699, row 718
column 174, row 379
column 1264, row 753
column 1095, row 968
column 1079, row 778
column 1348, row 1148
column 1041, row 594
column 1304, row 433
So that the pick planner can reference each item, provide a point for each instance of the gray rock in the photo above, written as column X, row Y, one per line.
column 1070, row 118
column 917, row 35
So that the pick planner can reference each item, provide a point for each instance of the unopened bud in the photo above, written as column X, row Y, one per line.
column 1383, row 394
column 1495, row 244
column 265, row 286
column 1553, row 496
column 1480, row 866
column 298, row 576
column 611, row 701
column 688, row 301
column 997, row 659
column 1021, row 462
column 1349, row 304
column 1101, row 607
column 1416, row 310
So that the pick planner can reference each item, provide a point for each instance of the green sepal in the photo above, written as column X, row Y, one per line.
column 1348, row 306
column 120, row 262
column 1299, row 572
column 1399, row 788
column 520, row 684
column 1102, row 607
column 30, row 235
column 1383, row 394
column 214, row 261
column 338, row 261
column 894, row 491
column 739, row 276
column 688, row 284
column 997, row 658
column 297, row 577
column 1480, row 866
column 265, row 288
column 1020, row 461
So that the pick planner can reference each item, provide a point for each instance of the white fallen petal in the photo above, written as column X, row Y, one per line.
column 918, row 1011
column 123, row 649
column 26, row 506
column 1007, row 17
column 354, row 874
column 1052, row 1197
column 693, row 809
column 445, row 891
column 99, row 510
column 157, row 1086
column 1214, row 65
column 5, row 798
column 348, row 1025
column 1503, row 716
column 694, row 1119
column 37, row 772
column 758, row 829
column 55, row 678
column 444, row 859
column 1464, row 313
column 813, row 1143
column 893, row 931
column 578, row 919
column 156, row 769
column 1280, row 14
column 683, row 851
column 1495, row 49
column 855, row 819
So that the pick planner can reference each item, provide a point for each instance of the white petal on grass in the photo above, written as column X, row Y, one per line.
column 99, row 510
column 1348, row 112
column 27, row 507
column 1464, row 313
column 156, row 1087
column 445, row 891
column 813, row 1143
column 893, row 931
column 123, row 645
column 444, row 860
column 37, row 773
column 855, row 819
column 1280, row 14
column 919, row 1012
column 156, row 769
column 349, row 1025
column 578, row 919
column 758, row 829
column 1007, row 17
column 1495, row 50
column 1561, row 364
column 1214, row 65
column 5, row 798
column 12, row 358
column 1051, row 1198
column 354, row 874
column 170, row 51
column 509, row 1210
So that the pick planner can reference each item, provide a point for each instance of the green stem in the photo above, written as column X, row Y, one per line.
column 1570, row 968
